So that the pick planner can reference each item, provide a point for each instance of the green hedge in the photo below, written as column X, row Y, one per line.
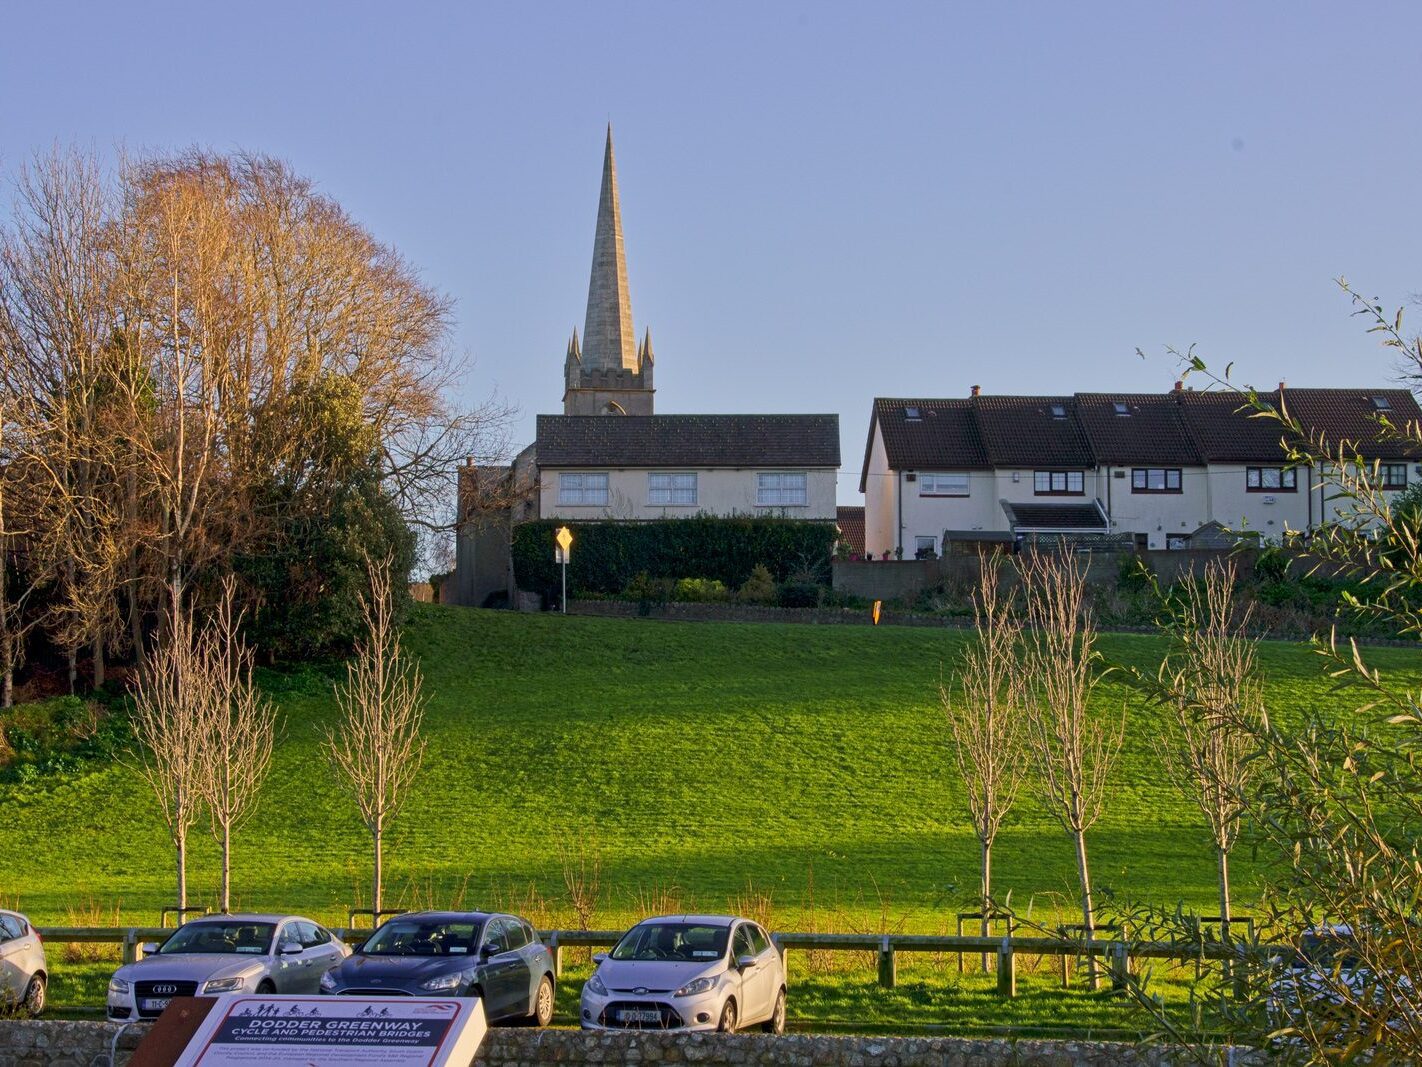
column 608, row 555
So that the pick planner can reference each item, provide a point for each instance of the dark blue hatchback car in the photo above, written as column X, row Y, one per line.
column 497, row 958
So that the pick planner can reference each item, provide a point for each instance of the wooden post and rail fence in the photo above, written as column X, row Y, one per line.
column 1116, row 954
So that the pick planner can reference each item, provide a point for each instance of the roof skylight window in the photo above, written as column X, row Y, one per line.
column 1382, row 403
column 1121, row 407
column 1058, row 411
column 911, row 413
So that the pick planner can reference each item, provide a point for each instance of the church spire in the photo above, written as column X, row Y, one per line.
column 608, row 340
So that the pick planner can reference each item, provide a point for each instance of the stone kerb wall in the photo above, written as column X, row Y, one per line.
column 86, row 1044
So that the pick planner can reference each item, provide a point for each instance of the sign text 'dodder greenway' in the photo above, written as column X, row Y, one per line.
column 333, row 1031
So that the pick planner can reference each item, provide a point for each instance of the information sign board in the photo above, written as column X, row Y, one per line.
column 246, row 1029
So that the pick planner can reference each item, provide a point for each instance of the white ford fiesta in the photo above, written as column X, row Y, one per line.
column 688, row 972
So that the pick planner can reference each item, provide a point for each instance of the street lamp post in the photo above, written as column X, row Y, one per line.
column 564, row 539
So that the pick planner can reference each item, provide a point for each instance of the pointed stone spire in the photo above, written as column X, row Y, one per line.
column 608, row 340
column 645, row 355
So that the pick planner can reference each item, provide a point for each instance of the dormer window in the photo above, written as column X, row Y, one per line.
column 911, row 413
column 1058, row 411
column 1381, row 403
column 1121, row 407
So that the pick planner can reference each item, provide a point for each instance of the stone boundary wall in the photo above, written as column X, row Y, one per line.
column 86, row 1044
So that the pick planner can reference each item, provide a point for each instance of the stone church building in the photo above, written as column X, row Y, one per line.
column 610, row 457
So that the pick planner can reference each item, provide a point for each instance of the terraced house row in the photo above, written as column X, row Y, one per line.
column 1168, row 470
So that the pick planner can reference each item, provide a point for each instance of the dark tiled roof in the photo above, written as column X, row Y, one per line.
column 944, row 436
column 1226, row 430
column 1350, row 415
column 1152, row 431
column 1027, row 517
column 851, row 527
column 1022, row 431
column 1181, row 428
column 688, row 440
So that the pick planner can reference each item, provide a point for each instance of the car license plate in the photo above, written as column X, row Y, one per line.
column 154, row 1003
column 639, row 1015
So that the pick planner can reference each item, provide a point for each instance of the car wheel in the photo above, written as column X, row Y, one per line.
column 776, row 1023
column 35, row 996
column 727, row 1025
column 543, row 1003
column 265, row 987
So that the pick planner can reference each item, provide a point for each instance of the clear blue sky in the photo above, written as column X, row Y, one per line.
column 821, row 202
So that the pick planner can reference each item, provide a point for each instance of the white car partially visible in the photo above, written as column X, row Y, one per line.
column 24, row 972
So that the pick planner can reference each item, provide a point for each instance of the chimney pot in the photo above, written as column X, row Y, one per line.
column 1282, row 383
column 977, row 390
column 1180, row 387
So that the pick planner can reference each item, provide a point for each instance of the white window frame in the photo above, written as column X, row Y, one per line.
column 671, row 489
column 782, row 489
column 583, row 489
column 944, row 483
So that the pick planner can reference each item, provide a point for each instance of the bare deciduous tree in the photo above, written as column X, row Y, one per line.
column 167, row 720
column 238, row 729
column 376, row 745
column 1210, row 729
column 1073, row 744
column 985, row 722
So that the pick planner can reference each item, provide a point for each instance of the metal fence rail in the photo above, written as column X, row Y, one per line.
column 1117, row 954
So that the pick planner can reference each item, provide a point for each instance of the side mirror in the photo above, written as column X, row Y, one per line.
column 742, row 962
column 487, row 950
column 356, row 946
column 288, row 949
column 148, row 948
column 598, row 957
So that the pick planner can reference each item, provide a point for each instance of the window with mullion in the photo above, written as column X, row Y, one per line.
column 1059, row 483
column 1394, row 475
column 1270, row 479
column 1155, row 480
column 582, row 490
column 671, row 489
column 781, row 489
column 940, row 484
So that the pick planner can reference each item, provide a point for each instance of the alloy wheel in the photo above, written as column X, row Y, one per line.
column 35, row 996
column 776, row 1023
column 728, row 1018
column 543, row 1006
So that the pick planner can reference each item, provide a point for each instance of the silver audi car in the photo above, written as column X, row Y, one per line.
column 226, row 954
column 687, row 972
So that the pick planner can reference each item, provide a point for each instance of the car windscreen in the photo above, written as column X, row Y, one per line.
column 424, row 937
column 244, row 937
column 680, row 941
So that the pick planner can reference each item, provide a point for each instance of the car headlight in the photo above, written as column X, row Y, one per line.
column 448, row 981
column 328, row 981
column 700, row 985
column 118, row 985
column 596, row 987
column 224, row 985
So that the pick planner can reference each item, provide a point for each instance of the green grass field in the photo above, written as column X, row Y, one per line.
column 796, row 772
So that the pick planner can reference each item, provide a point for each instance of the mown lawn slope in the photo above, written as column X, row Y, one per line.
column 694, row 760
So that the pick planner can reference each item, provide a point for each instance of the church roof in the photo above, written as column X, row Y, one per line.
column 688, row 441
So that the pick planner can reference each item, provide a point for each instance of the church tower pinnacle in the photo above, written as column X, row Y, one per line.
column 609, row 374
